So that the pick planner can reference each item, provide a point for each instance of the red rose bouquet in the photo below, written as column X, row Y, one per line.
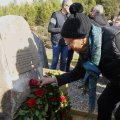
column 44, row 103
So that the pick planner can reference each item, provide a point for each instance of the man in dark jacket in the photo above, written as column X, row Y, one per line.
column 58, row 45
column 97, row 16
column 96, row 56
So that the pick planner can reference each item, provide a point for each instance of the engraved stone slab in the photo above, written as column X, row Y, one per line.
column 19, row 62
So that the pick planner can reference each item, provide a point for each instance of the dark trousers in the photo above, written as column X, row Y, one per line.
column 107, row 101
column 69, row 59
column 117, row 113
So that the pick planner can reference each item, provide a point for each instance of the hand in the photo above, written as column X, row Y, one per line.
column 46, row 80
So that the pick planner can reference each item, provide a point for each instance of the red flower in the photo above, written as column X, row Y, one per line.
column 31, row 102
column 71, row 118
column 62, row 99
column 40, row 92
column 51, row 99
column 33, row 82
column 64, row 114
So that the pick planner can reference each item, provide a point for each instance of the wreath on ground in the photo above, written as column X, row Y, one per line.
column 45, row 103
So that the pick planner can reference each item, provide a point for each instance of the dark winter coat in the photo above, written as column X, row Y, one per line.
column 99, row 20
column 109, row 63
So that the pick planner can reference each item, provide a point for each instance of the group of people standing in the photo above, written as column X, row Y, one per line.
column 98, row 46
column 60, row 49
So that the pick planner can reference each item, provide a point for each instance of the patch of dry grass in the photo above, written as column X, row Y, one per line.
column 49, row 56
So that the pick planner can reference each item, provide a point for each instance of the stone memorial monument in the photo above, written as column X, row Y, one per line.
column 21, row 59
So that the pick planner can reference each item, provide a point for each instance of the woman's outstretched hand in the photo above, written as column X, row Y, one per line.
column 46, row 80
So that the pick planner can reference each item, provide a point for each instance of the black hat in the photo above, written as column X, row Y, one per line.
column 76, row 8
column 78, row 24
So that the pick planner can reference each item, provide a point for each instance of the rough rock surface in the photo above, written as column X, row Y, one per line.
column 80, row 102
column 20, row 61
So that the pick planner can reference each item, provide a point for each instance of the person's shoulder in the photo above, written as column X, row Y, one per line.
column 54, row 14
column 58, row 11
column 112, row 30
column 101, row 20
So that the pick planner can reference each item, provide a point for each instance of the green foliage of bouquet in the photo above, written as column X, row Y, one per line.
column 43, row 103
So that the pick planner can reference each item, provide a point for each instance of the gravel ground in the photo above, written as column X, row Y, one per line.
column 80, row 102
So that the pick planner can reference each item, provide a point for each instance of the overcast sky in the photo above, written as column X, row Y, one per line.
column 5, row 2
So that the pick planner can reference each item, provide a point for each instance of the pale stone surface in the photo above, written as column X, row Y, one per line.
column 18, row 44
column 19, row 62
column 41, row 51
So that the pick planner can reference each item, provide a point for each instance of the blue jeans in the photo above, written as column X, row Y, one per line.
column 61, row 51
